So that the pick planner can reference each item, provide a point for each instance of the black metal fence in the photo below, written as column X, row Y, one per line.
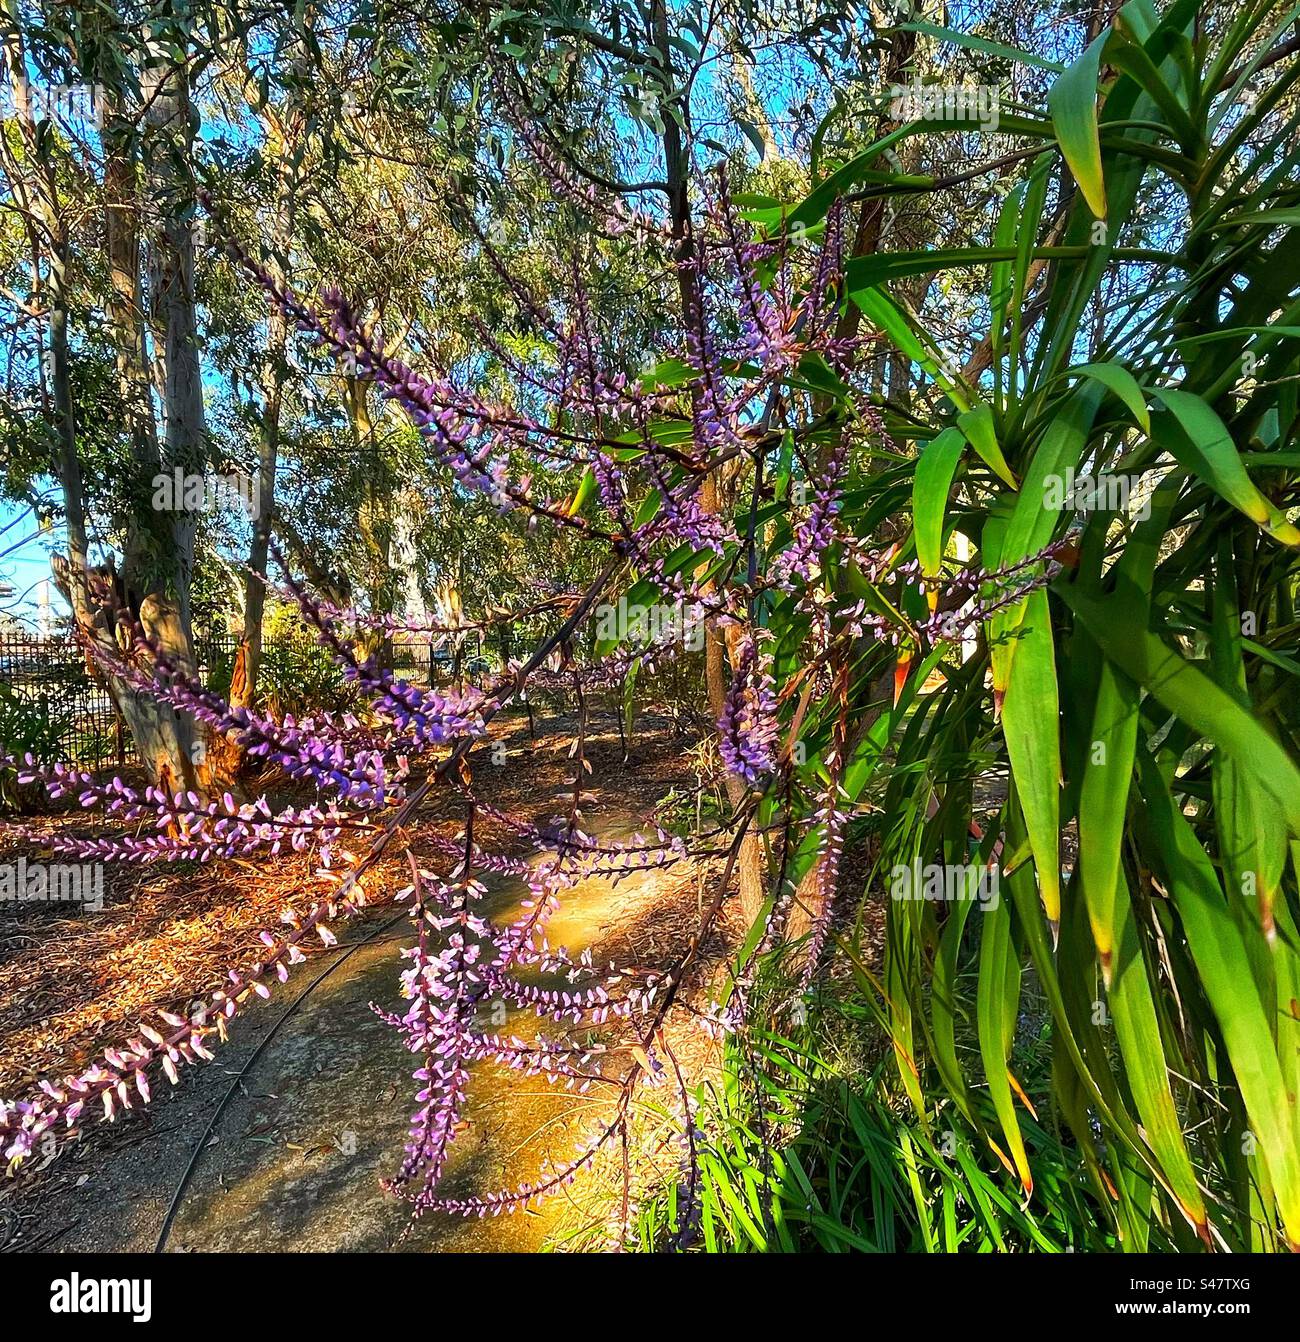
column 52, row 706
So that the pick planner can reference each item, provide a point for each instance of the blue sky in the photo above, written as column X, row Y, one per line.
column 28, row 565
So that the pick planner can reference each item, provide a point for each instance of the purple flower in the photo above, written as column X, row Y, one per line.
column 816, row 531
column 747, row 729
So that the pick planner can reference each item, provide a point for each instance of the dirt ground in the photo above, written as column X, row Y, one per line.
column 281, row 1142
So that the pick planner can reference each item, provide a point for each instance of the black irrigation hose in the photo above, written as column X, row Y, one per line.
column 293, row 1006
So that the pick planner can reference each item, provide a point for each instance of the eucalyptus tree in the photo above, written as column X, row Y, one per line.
column 62, row 173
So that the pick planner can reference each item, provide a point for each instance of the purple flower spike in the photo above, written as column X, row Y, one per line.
column 747, row 729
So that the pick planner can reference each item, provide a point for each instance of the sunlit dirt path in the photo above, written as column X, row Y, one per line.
column 298, row 1159
column 295, row 1158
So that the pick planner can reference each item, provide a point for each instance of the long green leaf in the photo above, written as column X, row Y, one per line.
column 1221, row 959
column 997, row 1004
column 1072, row 101
column 977, row 424
column 1192, row 695
column 1197, row 438
column 935, row 469
column 1030, row 714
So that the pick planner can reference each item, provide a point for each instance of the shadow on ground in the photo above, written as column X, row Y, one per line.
column 295, row 1159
